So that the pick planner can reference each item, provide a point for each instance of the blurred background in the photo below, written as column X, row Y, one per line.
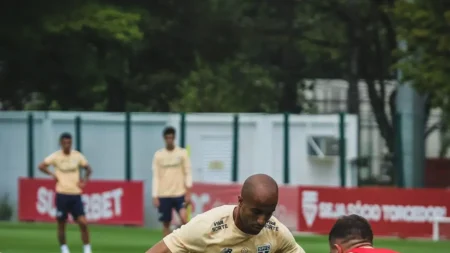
column 336, row 93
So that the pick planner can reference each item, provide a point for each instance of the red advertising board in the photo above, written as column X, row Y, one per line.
column 207, row 196
column 392, row 212
column 105, row 202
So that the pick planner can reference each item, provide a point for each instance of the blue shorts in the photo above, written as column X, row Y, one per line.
column 166, row 205
column 66, row 204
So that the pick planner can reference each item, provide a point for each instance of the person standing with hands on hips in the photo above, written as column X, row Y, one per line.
column 172, row 180
column 67, row 163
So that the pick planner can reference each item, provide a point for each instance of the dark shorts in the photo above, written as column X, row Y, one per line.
column 66, row 204
column 166, row 205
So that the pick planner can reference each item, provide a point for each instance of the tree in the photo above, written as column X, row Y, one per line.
column 74, row 57
column 423, row 25
column 233, row 86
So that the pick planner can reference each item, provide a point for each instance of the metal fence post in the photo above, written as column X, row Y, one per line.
column 128, row 146
column 286, row 149
column 183, row 130
column 342, row 150
column 78, row 133
column 234, row 174
column 30, row 124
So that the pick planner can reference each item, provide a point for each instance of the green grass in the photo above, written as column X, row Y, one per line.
column 41, row 238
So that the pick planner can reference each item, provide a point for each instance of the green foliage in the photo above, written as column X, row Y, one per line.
column 106, row 21
column 424, row 26
column 6, row 210
column 233, row 86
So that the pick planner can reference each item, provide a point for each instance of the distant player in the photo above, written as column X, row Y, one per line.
column 243, row 228
column 353, row 234
column 172, row 180
column 67, row 163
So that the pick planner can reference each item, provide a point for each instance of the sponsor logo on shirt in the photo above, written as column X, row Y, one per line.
column 219, row 225
column 226, row 250
column 265, row 248
column 172, row 163
column 271, row 225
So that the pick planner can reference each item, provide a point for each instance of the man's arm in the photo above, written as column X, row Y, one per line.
column 187, row 169
column 155, row 176
column 85, row 164
column 160, row 247
column 43, row 166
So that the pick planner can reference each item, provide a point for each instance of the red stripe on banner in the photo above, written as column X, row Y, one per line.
column 105, row 202
column 391, row 211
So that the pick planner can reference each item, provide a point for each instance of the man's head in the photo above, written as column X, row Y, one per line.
column 349, row 232
column 258, row 200
column 169, row 137
column 65, row 140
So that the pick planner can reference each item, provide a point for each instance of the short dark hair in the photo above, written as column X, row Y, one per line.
column 65, row 136
column 169, row 130
column 351, row 227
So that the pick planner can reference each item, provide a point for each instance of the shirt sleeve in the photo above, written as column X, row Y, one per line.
column 191, row 237
column 288, row 243
column 187, row 169
column 83, row 161
column 155, row 176
column 49, row 160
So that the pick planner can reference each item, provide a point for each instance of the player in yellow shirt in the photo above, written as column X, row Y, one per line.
column 243, row 228
column 67, row 163
column 172, row 180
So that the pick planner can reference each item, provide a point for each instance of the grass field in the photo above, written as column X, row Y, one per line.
column 41, row 238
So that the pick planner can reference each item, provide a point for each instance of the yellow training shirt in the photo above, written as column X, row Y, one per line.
column 171, row 172
column 67, row 170
column 215, row 231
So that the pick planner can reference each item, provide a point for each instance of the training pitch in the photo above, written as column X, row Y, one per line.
column 41, row 238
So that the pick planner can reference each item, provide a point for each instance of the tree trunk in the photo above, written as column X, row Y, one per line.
column 353, row 98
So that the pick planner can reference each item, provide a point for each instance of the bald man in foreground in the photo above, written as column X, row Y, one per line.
column 243, row 228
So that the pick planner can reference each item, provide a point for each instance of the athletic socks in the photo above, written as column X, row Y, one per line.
column 64, row 249
column 87, row 248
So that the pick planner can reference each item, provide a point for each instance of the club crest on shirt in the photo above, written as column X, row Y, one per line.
column 226, row 250
column 245, row 250
column 265, row 248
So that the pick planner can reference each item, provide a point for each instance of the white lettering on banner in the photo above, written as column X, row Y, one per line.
column 99, row 205
column 44, row 204
column 312, row 208
column 199, row 202
column 104, row 205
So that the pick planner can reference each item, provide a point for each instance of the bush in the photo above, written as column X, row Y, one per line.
column 6, row 210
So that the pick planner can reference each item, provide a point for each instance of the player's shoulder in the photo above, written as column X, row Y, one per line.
column 180, row 150
column 213, row 220
column 160, row 151
column 75, row 152
column 56, row 153
column 280, row 230
column 275, row 224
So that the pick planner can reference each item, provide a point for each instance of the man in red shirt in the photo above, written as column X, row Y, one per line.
column 353, row 234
